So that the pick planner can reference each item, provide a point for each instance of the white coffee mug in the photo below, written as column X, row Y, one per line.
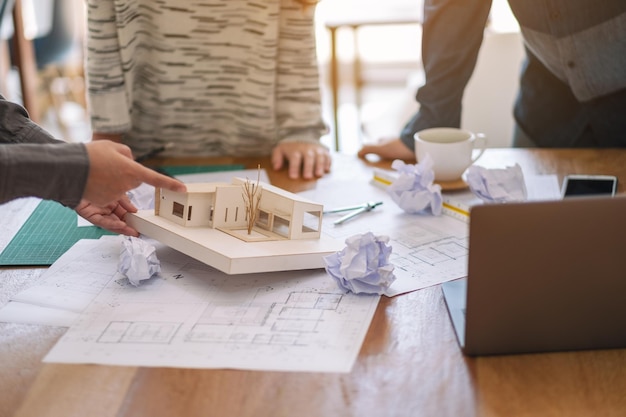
column 452, row 150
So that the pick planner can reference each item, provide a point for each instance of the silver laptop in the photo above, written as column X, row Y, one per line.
column 543, row 276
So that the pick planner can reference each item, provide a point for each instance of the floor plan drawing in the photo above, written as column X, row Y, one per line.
column 296, row 320
column 138, row 332
column 195, row 316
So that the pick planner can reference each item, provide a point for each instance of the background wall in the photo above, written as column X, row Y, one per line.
column 490, row 94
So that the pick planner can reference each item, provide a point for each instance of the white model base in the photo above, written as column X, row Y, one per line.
column 230, row 254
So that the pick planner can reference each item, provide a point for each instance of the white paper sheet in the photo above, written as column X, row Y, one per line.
column 73, row 281
column 197, row 317
column 24, row 313
column 66, row 288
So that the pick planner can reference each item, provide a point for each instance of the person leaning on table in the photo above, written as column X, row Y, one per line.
column 91, row 178
column 572, row 89
column 213, row 77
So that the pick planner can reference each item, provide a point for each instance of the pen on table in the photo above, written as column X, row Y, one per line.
column 154, row 152
column 361, row 208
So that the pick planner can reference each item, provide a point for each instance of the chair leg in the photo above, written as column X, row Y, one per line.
column 334, row 82
column 25, row 59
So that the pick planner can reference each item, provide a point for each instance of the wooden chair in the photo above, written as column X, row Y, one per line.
column 24, row 57
column 354, row 21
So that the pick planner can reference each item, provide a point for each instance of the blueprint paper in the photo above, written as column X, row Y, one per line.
column 197, row 317
column 73, row 281
column 16, row 312
column 66, row 288
column 426, row 249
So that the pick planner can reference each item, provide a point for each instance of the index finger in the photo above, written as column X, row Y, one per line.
column 159, row 180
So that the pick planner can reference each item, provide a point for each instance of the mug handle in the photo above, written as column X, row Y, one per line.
column 481, row 140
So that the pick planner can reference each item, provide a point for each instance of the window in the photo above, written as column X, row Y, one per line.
column 311, row 221
column 178, row 209
column 263, row 219
column 281, row 226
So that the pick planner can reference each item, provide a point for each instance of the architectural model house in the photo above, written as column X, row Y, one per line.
column 270, row 230
column 280, row 214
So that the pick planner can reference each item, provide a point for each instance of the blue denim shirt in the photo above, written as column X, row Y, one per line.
column 572, row 85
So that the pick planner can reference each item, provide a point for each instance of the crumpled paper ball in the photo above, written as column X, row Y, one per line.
column 363, row 265
column 497, row 185
column 138, row 260
column 414, row 190
column 142, row 197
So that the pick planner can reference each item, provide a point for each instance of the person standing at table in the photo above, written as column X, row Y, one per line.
column 91, row 178
column 572, row 89
column 213, row 77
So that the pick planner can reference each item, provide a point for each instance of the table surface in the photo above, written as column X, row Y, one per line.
column 410, row 363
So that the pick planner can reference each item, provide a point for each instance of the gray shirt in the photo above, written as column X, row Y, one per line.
column 34, row 164
column 572, row 85
column 580, row 42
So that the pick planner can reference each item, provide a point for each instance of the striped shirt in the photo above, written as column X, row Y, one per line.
column 214, row 77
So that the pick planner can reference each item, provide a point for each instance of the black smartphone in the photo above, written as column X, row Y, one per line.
column 578, row 185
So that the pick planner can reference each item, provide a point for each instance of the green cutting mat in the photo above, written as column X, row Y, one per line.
column 47, row 234
column 197, row 169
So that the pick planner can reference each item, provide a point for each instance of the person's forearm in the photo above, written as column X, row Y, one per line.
column 452, row 35
column 51, row 171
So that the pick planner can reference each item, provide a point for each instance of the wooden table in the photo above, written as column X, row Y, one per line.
column 409, row 365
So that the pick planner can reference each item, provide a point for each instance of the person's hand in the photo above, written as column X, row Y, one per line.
column 389, row 149
column 110, row 217
column 113, row 172
column 309, row 159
